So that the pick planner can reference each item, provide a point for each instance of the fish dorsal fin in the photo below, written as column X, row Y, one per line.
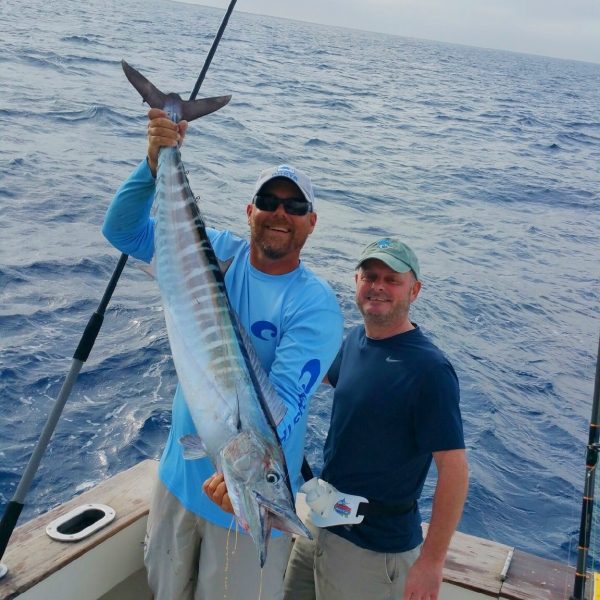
column 193, row 446
column 275, row 405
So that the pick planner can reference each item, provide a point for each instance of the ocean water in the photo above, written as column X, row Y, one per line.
column 486, row 162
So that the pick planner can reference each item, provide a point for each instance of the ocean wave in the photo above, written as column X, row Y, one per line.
column 103, row 114
column 86, row 40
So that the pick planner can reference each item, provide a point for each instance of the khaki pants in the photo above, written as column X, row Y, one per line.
column 332, row 568
column 188, row 558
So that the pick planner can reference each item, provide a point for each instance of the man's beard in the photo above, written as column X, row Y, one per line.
column 275, row 251
column 396, row 315
column 271, row 252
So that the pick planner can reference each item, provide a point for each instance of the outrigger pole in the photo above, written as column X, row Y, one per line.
column 15, row 506
column 585, row 528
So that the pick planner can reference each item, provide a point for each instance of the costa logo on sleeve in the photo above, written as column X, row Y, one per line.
column 312, row 368
column 264, row 330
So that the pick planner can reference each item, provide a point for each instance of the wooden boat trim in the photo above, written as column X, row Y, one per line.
column 32, row 556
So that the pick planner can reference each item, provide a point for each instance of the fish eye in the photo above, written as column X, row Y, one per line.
column 273, row 477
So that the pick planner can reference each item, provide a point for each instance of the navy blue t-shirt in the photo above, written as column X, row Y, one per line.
column 396, row 401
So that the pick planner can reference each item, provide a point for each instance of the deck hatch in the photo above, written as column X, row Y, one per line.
column 80, row 523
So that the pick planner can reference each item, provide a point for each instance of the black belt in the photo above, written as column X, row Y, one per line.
column 379, row 509
column 373, row 508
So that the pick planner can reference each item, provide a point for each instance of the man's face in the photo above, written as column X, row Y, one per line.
column 279, row 234
column 384, row 296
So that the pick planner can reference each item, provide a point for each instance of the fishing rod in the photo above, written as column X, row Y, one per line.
column 15, row 506
column 587, row 506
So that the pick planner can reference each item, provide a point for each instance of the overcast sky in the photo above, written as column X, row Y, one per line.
column 560, row 28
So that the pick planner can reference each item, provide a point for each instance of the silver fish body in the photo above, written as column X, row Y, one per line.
column 231, row 401
column 226, row 390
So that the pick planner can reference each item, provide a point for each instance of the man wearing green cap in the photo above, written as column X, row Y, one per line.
column 395, row 409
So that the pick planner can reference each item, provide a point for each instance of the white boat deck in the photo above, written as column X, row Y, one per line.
column 109, row 564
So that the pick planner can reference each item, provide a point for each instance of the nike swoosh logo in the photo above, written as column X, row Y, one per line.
column 392, row 360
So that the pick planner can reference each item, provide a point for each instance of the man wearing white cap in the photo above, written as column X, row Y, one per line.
column 395, row 408
column 295, row 325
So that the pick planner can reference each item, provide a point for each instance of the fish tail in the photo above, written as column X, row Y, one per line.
column 178, row 108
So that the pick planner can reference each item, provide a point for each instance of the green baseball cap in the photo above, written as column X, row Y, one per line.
column 394, row 253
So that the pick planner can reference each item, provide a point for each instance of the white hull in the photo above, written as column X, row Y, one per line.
column 109, row 564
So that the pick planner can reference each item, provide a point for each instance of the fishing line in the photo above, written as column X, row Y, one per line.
column 226, row 569
column 237, row 532
column 15, row 506
column 260, row 584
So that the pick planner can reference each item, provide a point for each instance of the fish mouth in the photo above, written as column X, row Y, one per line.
column 262, row 515
column 283, row 518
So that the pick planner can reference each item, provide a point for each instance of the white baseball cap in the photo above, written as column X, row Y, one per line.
column 300, row 178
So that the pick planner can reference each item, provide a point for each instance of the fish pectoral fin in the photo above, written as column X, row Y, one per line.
column 193, row 447
column 283, row 518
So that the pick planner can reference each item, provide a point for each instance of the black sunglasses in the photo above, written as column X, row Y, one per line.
column 292, row 206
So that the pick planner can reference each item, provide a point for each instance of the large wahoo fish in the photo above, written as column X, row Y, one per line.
column 233, row 405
